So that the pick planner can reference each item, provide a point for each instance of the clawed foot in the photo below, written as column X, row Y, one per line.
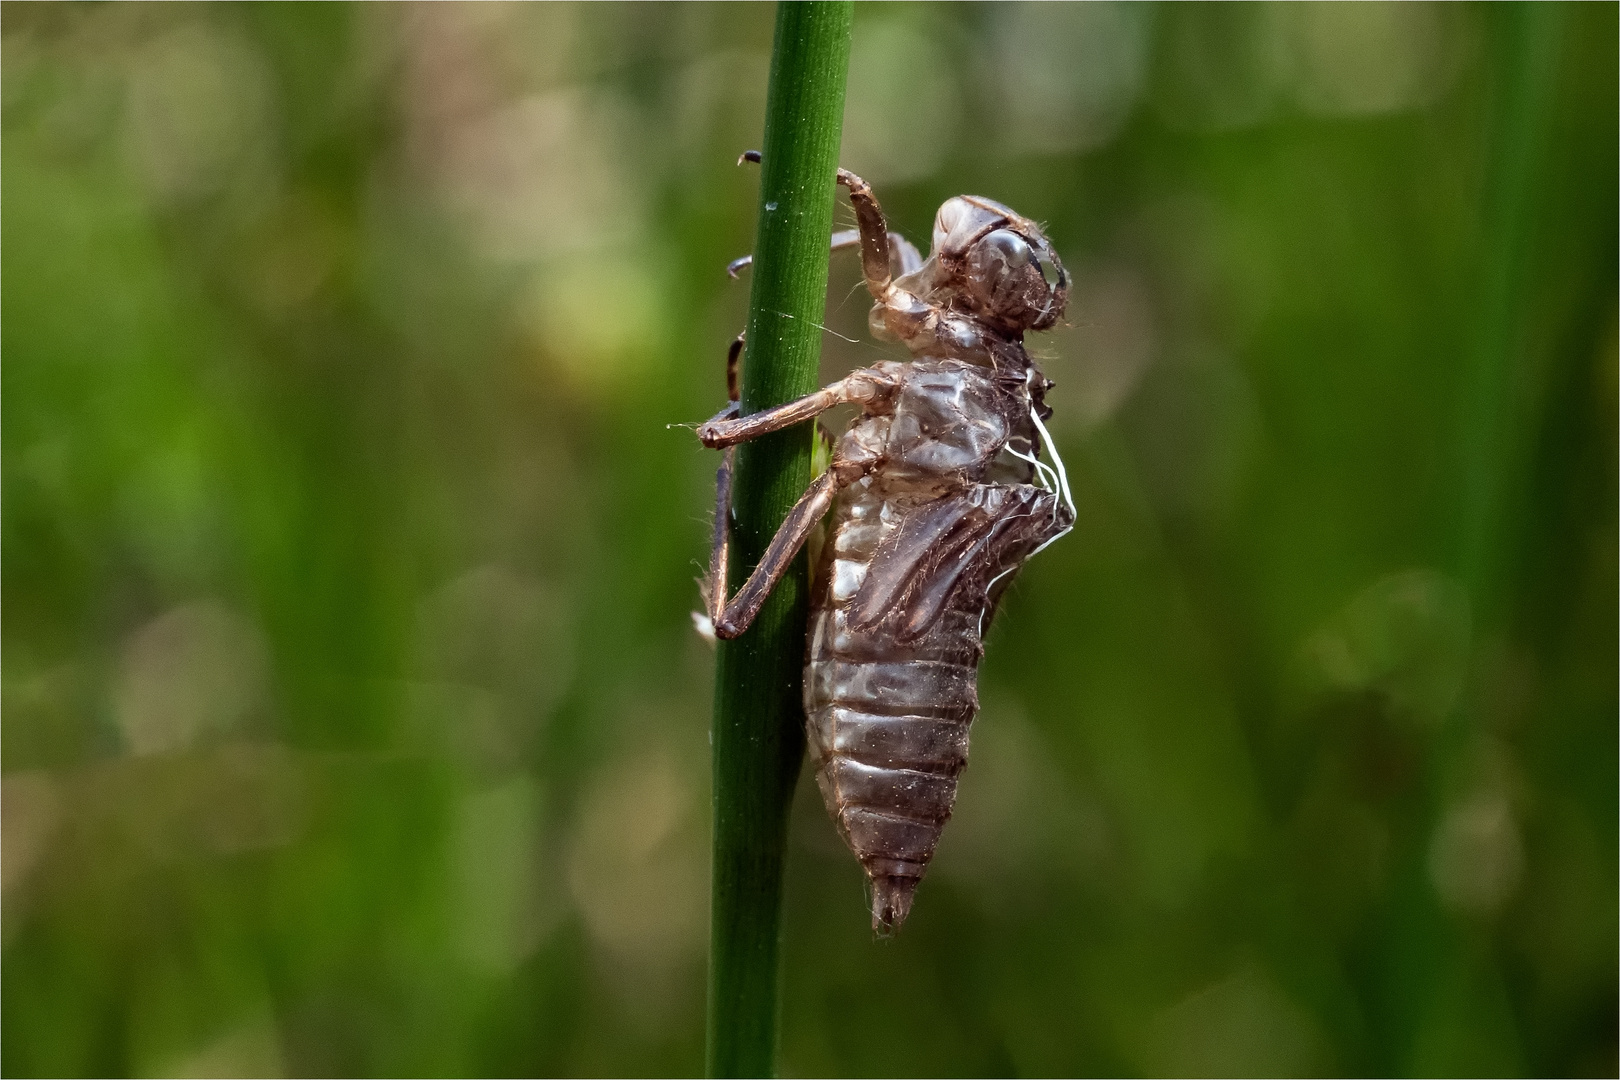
column 708, row 432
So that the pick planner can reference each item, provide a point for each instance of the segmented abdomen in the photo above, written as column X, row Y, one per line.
column 887, row 719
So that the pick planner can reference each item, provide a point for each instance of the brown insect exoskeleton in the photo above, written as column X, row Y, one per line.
column 938, row 494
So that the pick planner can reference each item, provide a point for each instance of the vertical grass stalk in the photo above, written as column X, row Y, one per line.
column 1496, row 424
column 758, row 727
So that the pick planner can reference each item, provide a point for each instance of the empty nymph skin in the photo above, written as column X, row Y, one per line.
column 938, row 493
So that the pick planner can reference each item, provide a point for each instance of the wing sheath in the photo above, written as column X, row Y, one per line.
column 958, row 541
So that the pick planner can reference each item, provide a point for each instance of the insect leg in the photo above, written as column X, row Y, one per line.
column 874, row 233
column 844, row 238
column 733, row 384
column 733, row 380
column 731, row 619
column 720, row 547
column 728, row 429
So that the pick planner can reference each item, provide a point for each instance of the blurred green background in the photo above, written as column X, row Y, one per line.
column 353, row 719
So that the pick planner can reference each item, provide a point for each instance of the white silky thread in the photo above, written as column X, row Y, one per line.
column 1042, row 469
column 1057, row 460
column 987, row 589
column 1062, row 476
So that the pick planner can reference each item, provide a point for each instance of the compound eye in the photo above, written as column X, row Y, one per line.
column 1008, row 248
column 1006, row 280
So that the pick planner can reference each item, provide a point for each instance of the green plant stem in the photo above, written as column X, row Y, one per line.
column 1496, row 421
column 758, row 717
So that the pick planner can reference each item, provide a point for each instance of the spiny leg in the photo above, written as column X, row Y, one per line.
column 844, row 238
column 714, row 586
column 919, row 323
column 907, row 317
column 873, row 235
column 874, row 230
column 726, row 428
column 718, row 551
column 733, row 387
column 733, row 378
column 731, row 619
column 904, row 253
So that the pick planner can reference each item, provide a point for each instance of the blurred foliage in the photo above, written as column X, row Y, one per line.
column 353, row 720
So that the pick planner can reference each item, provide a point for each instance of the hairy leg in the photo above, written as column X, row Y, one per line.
column 873, row 236
column 874, row 230
column 726, row 428
column 844, row 238
column 733, row 378
column 731, row 619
